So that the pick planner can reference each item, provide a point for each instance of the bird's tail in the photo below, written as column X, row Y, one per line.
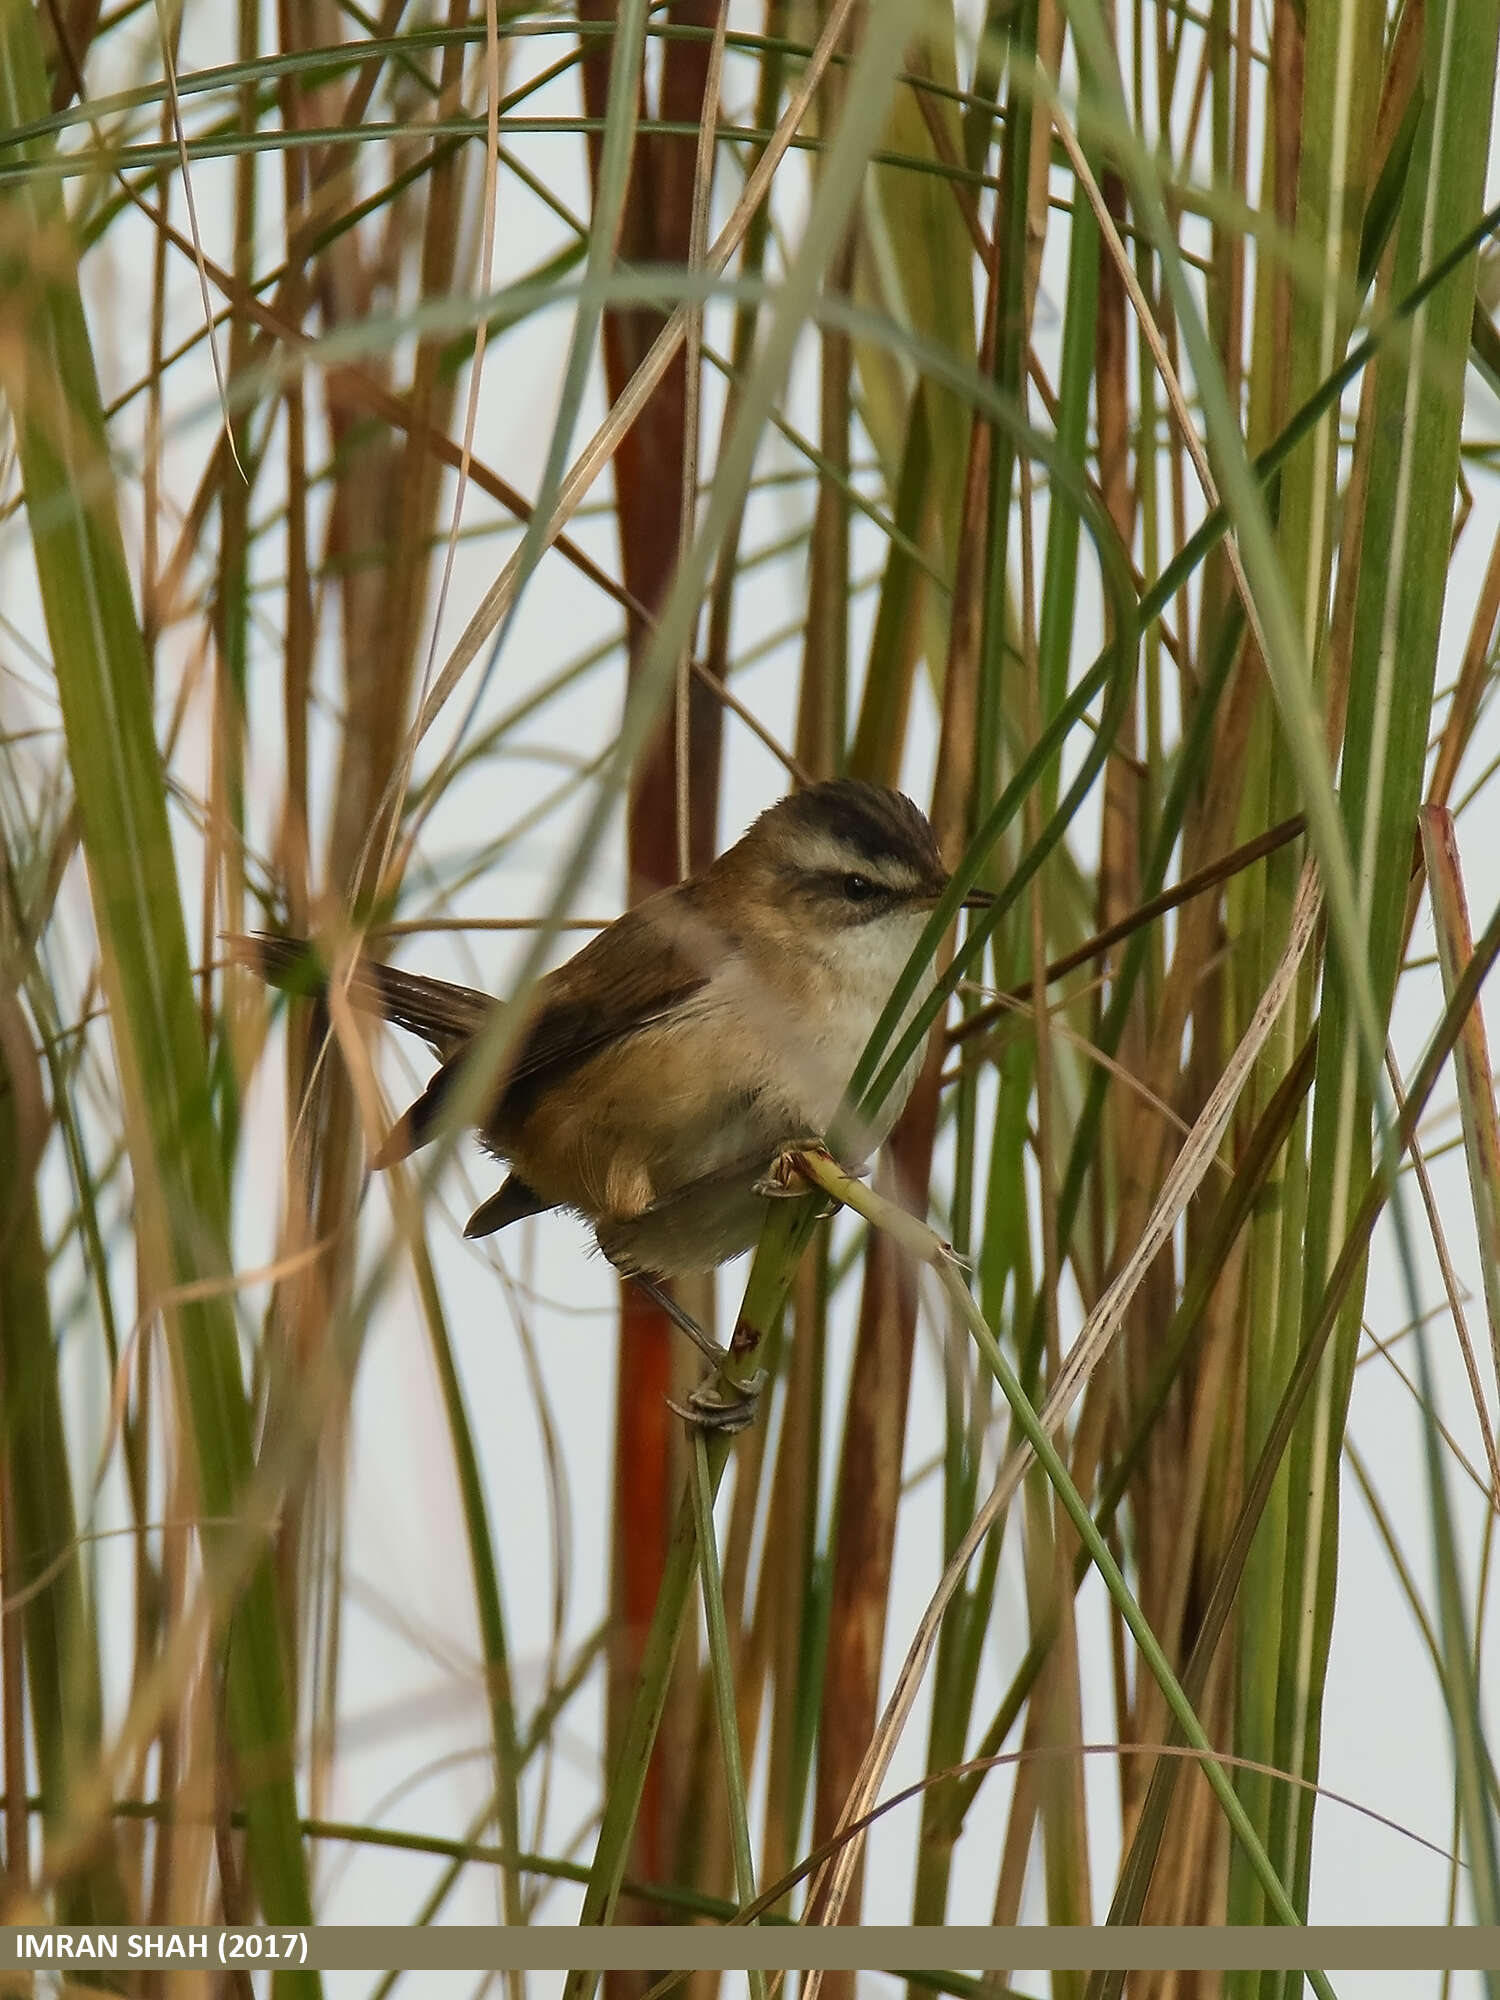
column 446, row 1016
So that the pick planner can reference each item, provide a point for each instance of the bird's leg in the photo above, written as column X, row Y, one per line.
column 680, row 1318
column 713, row 1405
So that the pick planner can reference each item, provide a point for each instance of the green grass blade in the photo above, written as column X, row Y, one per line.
column 104, row 688
column 47, row 1585
column 1398, row 610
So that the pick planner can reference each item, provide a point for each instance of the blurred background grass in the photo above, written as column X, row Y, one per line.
column 458, row 463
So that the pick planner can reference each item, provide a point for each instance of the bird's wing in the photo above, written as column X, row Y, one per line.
column 513, row 1203
column 644, row 966
column 634, row 974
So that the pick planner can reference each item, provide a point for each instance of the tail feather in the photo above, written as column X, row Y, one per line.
column 443, row 1014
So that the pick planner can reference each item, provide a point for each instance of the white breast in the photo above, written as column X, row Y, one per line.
column 758, row 1060
column 843, row 989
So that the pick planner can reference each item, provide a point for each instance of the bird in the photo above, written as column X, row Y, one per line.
column 657, row 1076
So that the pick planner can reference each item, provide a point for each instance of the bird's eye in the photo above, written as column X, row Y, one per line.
column 858, row 888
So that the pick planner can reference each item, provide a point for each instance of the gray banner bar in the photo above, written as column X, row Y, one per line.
column 779, row 1947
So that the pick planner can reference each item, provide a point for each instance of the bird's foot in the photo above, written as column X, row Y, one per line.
column 720, row 1402
column 784, row 1179
column 719, row 1405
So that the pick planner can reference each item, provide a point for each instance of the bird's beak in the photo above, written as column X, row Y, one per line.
column 977, row 899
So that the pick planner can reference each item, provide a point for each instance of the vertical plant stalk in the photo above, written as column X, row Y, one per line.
column 47, row 372
column 1453, row 1293
column 1099, row 1330
column 823, row 680
column 920, row 1242
column 721, row 1666
column 1476, row 1092
column 624, row 410
column 1347, row 1269
column 786, row 1235
column 655, row 491
column 1474, row 1769
column 488, row 1601
column 46, row 1609
column 1405, row 555
column 869, row 1477
column 1057, row 1710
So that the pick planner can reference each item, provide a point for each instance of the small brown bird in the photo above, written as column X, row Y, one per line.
column 661, row 1071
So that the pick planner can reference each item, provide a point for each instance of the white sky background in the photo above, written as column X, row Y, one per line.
column 411, row 1695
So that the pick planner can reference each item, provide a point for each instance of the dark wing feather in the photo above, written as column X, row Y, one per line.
column 415, row 1125
column 637, row 972
column 512, row 1203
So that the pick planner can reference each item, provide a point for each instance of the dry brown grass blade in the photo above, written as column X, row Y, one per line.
column 670, row 831
column 597, row 453
column 703, row 183
column 1451, row 1286
column 491, row 63
column 356, row 390
column 167, row 32
column 1473, row 679
column 1476, row 1097
column 1192, row 1164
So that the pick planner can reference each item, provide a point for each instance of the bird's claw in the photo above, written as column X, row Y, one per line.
column 784, row 1179
column 716, row 1405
